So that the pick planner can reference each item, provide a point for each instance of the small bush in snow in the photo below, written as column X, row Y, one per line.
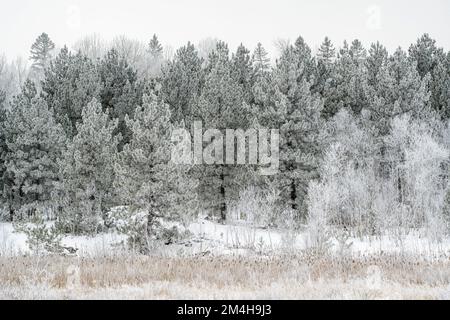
column 41, row 238
column 132, row 224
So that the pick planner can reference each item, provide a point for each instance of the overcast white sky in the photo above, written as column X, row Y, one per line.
column 394, row 23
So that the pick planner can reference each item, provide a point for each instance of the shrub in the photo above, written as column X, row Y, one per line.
column 41, row 238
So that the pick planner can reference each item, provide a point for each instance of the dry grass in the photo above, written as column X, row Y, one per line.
column 291, row 276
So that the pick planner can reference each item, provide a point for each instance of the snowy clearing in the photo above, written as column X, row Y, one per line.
column 237, row 239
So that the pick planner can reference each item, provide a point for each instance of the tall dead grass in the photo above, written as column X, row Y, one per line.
column 304, row 275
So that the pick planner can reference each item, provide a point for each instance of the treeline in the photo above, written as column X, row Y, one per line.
column 362, row 132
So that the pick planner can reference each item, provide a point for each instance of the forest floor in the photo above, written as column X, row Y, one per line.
column 227, row 262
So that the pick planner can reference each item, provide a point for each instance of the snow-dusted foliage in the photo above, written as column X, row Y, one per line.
column 369, row 194
column 86, row 171
column 33, row 143
column 146, row 179
column 363, row 138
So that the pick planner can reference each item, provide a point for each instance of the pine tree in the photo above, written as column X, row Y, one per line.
column 242, row 70
column 357, row 51
column 432, row 61
column 155, row 50
column 425, row 53
column 3, row 146
column 71, row 82
column 220, row 106
column 35, row 143
column 145, row 176
column 326, row 52
column 86, row 171
column 295, row 65
column 120, row 92
column 304, row 58
column 29, row 90
column 221, row 53
column 260, row 60
column 41, row 52
column 396, row 89
column 345, row 88
column 375, row 62
column 325, row 59
column 182, row 82
column 298, row 114
column 440, row 87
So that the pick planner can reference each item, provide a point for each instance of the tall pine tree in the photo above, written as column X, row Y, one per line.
column 35, row 143
column 221, row 106
column 145, row 176
column 182, row 82
column 87, row 172
column 71, row 82
column 120, row 92
column 260, row 60
column 298, row 114
column 41, row 52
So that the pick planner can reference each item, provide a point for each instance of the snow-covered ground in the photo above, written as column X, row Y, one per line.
column 233, row 261
column 14, row 243
column 245, row 237
column 219, row 239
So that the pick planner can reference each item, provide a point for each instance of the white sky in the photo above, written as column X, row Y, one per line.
column 394, row 23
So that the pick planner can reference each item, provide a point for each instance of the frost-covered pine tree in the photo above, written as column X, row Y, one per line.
column 395, row 88
column 357, row 51
column 221, row 106
column 35, row 144
column 425, row 53
column 148, row 182
column 325, row 59
column 86, row 171
column 296, row 63
column 155, row 51
column 120, row 91
column 3, row 146
column 260, row 59
column 40, row 55
column 440, row 86
column 155, row 48
column 242, row 70
column 300, row 146
column 345, row 87
column 326, row 51
column 377, row 58
column 300, row 124
column 41, row 52
column 433, row 62
column 181, row 84
column 71, row 82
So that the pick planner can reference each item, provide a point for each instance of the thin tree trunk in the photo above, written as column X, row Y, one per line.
column 223, row 206
column 293, row 196
column 150, row 221
column 149, row 230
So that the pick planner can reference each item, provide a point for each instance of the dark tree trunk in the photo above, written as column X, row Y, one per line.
column 144, row 243
column 150, row 222
column 223, row 206
column 11, row 213
column 293, row 196
column 399, row 186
